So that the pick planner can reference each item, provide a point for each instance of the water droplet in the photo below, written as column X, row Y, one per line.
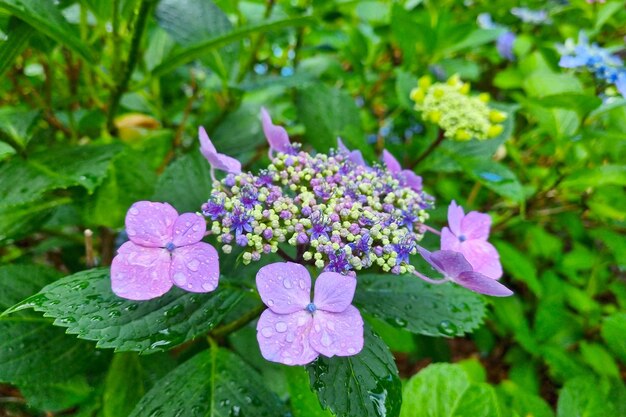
column 326, row 340
column 330, row 325
column 134, row 211
column 400, row 322
column 447, row 328
column 180, row 278
column 267, row 331
column 287, row 283
column 193, row 265
column 270, row 303
column 351, row 351
column 281, row 327
column 301, row 283
column 290, row 337
column 207, row 286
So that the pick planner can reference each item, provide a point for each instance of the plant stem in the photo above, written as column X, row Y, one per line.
column 233, row 326
column 131, row 62
column 430, row 149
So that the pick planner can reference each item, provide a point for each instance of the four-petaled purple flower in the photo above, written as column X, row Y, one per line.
column 405, row 176
column 213, row 209
column 164, row 249
column 468, row 235
column 455, row 268
column 241, row 221
column 319, row 226
column 217, row 160
column 294, row 330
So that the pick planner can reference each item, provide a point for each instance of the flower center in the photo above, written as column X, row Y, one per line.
column 462, row 238
column 311, row 308
column 170, row 247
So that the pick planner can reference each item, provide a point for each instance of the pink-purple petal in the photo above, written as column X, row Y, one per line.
column 150, row 224
column 476, row 225
column 411, row 179
column 449, row 241
column 276, row 136
column 339, row 334
column 455, row 217
column 189, row 228
column 482, row 284
column 195, row 268
column 285, row 287
column 216, row 159
column 391, row 162
column 206, row 146
column 140, row 273
column 284, row 338
column 483, row 257
column 333, row 291
column 450, row 263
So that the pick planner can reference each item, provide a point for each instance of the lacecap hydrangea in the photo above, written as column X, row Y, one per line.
column 460, row 115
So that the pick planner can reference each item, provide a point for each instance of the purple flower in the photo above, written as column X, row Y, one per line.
column 164, row 249
column 240, row 221
column 405, row 176
column 213, row 209
column 468, row 235
column 455, row 267
column 294, row 330
column 355, row 157
column 338, row 262
column 217, row 160
column 319, row 226
column 276, row 135
column 504, row 45
column 403, row 250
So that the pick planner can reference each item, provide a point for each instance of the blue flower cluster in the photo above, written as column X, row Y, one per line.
column 604, row 65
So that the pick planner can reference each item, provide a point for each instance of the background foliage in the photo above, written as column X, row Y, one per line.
column 100, row 104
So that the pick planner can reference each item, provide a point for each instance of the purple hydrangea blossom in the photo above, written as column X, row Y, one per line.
column 504, row 45
column 405, row 176
column 216, row 159
column 454, row 267
column 165, row 249
column 295, row 331
column 468, row 234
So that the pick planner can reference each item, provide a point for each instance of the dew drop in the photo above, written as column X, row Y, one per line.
column 351, row 351
column 281, row 327
column 134, row 211
column 330, row 325
column 180, row 278
column 267, row 331
column 193, row 265
column 447, row 328
column 270, row 303
column 207, row 286
column 326, row 340
column 287, row 283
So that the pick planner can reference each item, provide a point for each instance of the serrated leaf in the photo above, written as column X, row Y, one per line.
column 26, row 180
column 11, row 48
column 364, row 385
column 45, row 17
column 328, row 113
column 18, row 282
column 85, row 304
column 185, row 183
column 445, row 390
column 17, row 221
column 214, row 383
column 408, row 302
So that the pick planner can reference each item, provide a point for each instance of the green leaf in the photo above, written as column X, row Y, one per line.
column 123, row 387
column 18, row 221
column 519, row 266
column 606, row 12
column 6, row 151
column 200, row 50
column 45, row 17
column 581, row 103
column 364, row 385
column 18, row 282
column 407, row 302
column 476, row 38
column 585, row 396
column 328, row 113
column 493, row 175
column 17, row 124
column 303, row 401
column 26, row 180
column 214, row 383
column 11, row 48
column 445, row 390
column 523, row 402
column 543, row 83
column 57, row 396
column 597, row 357
column 596, row 177
column 85, row 304
column 185, row 183
column 614, row 334
column 405, row 82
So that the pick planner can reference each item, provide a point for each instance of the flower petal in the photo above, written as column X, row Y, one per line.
column 284, row 338
column 390, row 162
column 216, row 159
column 227, row 163
column 140, row 273
column 449, row 241
column 333, row 291
column 285, row 287
column 483, row 257
column 189, row 228
column 450, row 263
column 195, row 268
column 355, row 156
column 411, row 179
column 150, row 224
column 482, row 284
column 476, row 225
column 206, row 146
column 455, row 217
column 276, row 136
column 338, row 334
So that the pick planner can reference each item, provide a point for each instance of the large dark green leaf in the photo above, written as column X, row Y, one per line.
column 11, row 48
column 328, row 113
column 45, row 17
column 414, row 305
column 16, row 124
column 26, row 180
column 303, row 401
column 214, row 383
column 85, row 304
column 185, row 183
column 364, row 385
column 18, row 282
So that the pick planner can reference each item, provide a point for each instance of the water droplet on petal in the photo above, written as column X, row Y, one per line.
column 281, row 327
column 180, row 278
column 326, row 340
column 267, row 331
column 193, row 265
column 207, row 286
column 287, row 283
column 270, row 303
column 351, row 351
column 134, row 211
column 330, row 325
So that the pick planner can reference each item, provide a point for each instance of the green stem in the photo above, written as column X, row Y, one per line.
column 131, row 62
column 233, row 326
column 430, row 149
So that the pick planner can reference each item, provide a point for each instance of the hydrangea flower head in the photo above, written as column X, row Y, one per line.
column 216, row 159
column 461, row 116
column 165, row 249
column 468, row 234
column 294, row 330
column 454, row 267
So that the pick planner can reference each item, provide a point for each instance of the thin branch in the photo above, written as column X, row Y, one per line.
column 430, row 149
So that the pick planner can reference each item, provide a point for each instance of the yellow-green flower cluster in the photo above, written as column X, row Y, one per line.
column 460, row 115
